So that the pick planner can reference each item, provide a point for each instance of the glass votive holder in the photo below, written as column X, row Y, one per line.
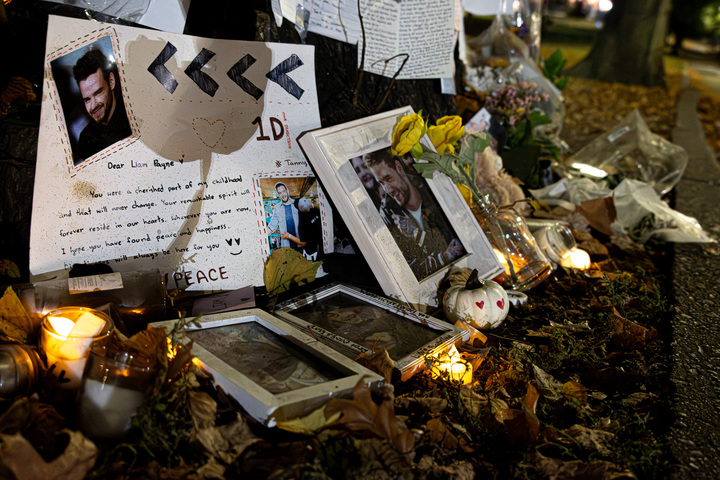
column 115, row 384
column 66, row 335
column 556, row 241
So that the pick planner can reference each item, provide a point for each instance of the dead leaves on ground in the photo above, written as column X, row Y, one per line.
column 20, row 457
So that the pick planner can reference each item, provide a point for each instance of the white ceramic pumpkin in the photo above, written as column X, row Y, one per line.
column 482, row 303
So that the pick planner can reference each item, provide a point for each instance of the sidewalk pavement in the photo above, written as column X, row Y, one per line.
column 694, row 434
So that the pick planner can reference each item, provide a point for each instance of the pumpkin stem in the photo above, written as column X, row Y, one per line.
column 474, row 282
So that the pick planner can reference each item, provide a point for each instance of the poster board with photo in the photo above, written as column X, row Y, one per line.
column 411, row 230
column 154, row 149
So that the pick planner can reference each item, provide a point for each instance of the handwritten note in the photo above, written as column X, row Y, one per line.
column 423, row 31
column 155, row 158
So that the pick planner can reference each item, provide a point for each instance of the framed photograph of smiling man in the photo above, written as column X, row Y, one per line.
column 411, row 230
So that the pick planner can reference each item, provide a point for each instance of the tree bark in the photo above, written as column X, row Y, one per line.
column 629, row 49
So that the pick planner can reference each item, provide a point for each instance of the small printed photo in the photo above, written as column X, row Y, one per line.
column 482, row 121
column 292, row 214
column 410, row 211
column 91, row 97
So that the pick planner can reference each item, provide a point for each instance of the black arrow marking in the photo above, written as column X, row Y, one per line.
column 236, row 74
column 202, row 79
column 279, row 75
column 158, row 69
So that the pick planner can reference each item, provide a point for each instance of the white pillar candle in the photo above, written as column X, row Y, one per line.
column 106, row 410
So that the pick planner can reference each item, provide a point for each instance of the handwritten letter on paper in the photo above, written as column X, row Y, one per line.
column 154, row 149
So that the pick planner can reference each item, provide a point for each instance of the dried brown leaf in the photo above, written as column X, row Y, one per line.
column 203, row 409
column 430, row 405
column 285, row 268
column 439, row 435
column 570, row 470
column 575, row 392
column 524, row 429
column 362, row 414
column 19, row 456
column 15, row 323
column 627, row 334
column 227, row 442
column 459, row 470
column 379, row 362
column 588, row 438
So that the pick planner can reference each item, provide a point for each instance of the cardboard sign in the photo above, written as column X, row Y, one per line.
column 159, row 150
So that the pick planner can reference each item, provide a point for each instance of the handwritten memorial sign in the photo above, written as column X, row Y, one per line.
column 168, row 151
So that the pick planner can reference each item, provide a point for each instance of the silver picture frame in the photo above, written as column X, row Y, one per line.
column 353, row 321
column 275, row 371
column 330, row 151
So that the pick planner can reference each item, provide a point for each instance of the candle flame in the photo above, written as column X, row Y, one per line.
column 576, row 258
column 453, row 365
column 62, row 326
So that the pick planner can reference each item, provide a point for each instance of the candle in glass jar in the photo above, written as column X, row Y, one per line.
column 107, row 410
column 66, row 336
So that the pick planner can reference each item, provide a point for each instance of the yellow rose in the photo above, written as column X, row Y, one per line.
column 407, row 134
column 445, row 133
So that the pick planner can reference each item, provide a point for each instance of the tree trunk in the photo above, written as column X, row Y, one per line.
column 629, row 49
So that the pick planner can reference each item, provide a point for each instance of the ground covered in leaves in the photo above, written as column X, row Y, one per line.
column 574, row 385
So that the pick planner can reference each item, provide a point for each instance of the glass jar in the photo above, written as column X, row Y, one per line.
column 19, row 370
column 524, row 262
column 556, row 241
column 115, row 384
column 66, row 335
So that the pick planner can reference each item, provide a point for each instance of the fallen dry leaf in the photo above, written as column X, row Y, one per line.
column 555, row 469
column 286, row 268
column 227, row 442
column 588, row 438
column 361, row 413
column 627, row 334
column 379, row 362
column 9, row 268
column 310, row 423
column 15, row 323
column 19, row 456
column 600, row 213
column 459, row 470
column 574, row 392
column 439, row 435
column 524, row 429
column 430, row 405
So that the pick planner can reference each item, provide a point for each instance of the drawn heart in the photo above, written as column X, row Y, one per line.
column 501, row 303
column 480, row 304
column 210, row 133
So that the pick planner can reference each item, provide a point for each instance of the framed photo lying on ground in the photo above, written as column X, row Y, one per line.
column 411, row 230
column 353, row 321
column 275, row 371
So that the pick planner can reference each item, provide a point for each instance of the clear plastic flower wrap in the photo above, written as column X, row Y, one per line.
column 633, row 151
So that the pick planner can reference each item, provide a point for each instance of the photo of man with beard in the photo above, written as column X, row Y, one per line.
column 100, row 91
column 411, row 213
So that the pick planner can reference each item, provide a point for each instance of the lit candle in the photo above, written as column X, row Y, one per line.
column 455, row 366
column 66, row 336
column 576, row 258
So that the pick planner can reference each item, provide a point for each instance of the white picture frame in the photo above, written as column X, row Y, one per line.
column 221, row 351
column 416, row 335
column 330, row 150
